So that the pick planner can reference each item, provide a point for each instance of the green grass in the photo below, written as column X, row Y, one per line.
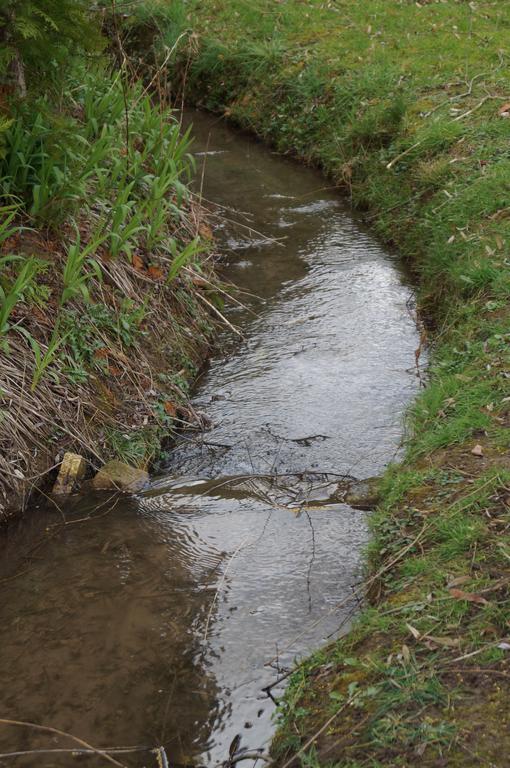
column 399, row 103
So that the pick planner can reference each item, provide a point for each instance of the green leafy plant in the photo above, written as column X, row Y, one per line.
column 42, row 164
column 74, row 277
column 10, row 296
column 44, row 359
column 188, row 253
column 37, row 34
column 126, row 222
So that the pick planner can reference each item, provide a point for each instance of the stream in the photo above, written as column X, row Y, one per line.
column 160, row 619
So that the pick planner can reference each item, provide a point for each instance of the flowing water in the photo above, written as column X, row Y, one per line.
column 160, row 619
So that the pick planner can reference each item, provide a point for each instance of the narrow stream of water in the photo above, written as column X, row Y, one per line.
column 160, row 619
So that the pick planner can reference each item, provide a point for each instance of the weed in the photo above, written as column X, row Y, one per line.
column 74, row 277
column 40, row 164
column 190, row 252
column 10, row 296
column 44, row 359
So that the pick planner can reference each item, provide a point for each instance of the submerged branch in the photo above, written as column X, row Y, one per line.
column 58, row 732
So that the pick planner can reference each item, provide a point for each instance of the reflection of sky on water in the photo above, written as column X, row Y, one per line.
column 279, row 580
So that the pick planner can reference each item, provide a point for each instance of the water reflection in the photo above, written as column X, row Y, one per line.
column 284, row 571
column 323, row 375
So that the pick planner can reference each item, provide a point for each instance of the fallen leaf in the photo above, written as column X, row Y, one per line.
column 458, row 594
column 205, row 232
column 156, row 273
column 458, row 580
column 198, row 281
column 406, row 654
column 504, row 111
column 169, row 408
column 101, row 353
column 477, row 450
column 114, row 371
column 446, row 642
column 138, row 263
column 414, row 632
column 420, row 749
column 234, row 746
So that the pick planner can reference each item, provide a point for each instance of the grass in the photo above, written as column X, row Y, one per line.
column 403, row 105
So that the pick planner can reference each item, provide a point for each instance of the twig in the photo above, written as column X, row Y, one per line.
column 473, row 653
column 470, row 111
column 459, row 96
column 161, row 755
column 320, row 731
column 251, row 230
column 482, row 671
column 160, row 68
column 123, row 82
column 278, row 680
column 247, row 756
column 87, row 518
column 390, row 165
column 57, row 732
column 360, row 589
column 312, row 560
column 220, row 315
column 239, row 548
column 75, row 751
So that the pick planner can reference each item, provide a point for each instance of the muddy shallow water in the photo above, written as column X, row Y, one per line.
column 160, row 619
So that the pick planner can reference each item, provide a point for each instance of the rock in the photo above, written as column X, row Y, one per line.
column 117, row 476
column 363, row 494
column 72, row 471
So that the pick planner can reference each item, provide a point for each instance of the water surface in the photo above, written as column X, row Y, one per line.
column 160, row 619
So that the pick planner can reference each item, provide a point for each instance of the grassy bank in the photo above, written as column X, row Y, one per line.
column 106, row 299
column 405, row 106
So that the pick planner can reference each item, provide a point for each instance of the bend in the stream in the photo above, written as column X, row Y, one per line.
column 161, row 619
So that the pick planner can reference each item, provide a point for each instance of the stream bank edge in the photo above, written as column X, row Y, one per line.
column 108, row 289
